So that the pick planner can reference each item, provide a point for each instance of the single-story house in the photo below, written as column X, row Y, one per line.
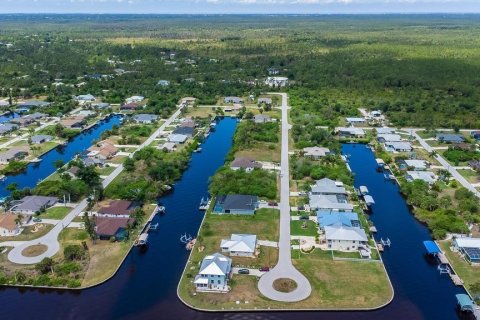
column 91, row 161
column 41, row 138
column 388, row 137
column 7, row 127
column 103, row 150
column 73, row 122
column 417, row 165
column 83, row 98
column 333, row 202
column 351, row 132
column 177, row 138
column 385, row 130
column 345, row 238
column 327, row 218
column 401, row 146
column 107, row 228
column 450, row 137
column 134, row 99
column 163, row 83
column 101, row 105
column 168, row 146
column 240, row 245
column 276, row 81
column 187, row 123
column 72, row 172
column 23, row 121
column 132, row 106
column 475, row 135
column 316, row 152
column 186, row 131
column 328, row 186
column 33, row 204
column 375, row 114
column 474, row 164
column 468, row 247
column 33, row 104
column 36, row 116
column 12, row 154
column 261, row 118
column 427, row 176
column 145, row 118
column 215, row 272
column 236, row 204
column 233, row 100
column 9, row 226
column 354, row 120
column 244, row 163
column 86, row 113
column 117, row 209
column 264, row 100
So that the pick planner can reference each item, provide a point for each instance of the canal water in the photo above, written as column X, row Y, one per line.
column 145, row 286
column 38, row 171
column 8, row 116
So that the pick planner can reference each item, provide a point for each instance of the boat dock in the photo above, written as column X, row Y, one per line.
column 444, row 265
column 466, row 304
column 142, row 239
column 204, row 204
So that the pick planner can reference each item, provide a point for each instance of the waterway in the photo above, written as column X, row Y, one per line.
column 145, row 286
column 38, row 171
column 8, row 116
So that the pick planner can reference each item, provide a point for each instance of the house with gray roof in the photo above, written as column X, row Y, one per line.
column 7, row 127
column 334, row 202
column 12, row 154
column 385, row 130
column 236, row 204
column 345, row 238
column 351, row 132
column 388, row 137
column 450, row 138
column 264, row 100
column 83, row 98
column 101, row 105
column 177, row 138
column 327, row 186
column 261, row 118
column 41, row 138
column 36, row 116
column 399, row 146
column 145, row 118
column 233, row 100
column 316, row 152
column 244, row 163
column 427, row 176
column 215, row 272
column 240, row 245
column 33, row 104
column 163, row 83
column 187, row 131
column 327, row 218
column 33, row 204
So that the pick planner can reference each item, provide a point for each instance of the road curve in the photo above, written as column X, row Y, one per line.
column 284, row 267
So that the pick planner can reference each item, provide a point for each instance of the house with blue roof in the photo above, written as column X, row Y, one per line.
column 328, row 218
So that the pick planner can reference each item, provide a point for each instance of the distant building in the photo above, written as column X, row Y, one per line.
column 33, row 104
column 163, row 83
column 76, row 122
column 186, row 131
column 145, row 118
column 41, row 138
column 385, row 130
column 233, row 100
column 244, row 163
column 236, row 204
column 276, row 81
column 316, row 152
column 353, row 121
column 389, row 137
column 84, row 98
column 266, row 101
column 240, row 245
column 7, row 127
column 132, row 106
column 351, row 132
column 262, row 118
column 450, row 138
column 134, row 99
column 33, row 204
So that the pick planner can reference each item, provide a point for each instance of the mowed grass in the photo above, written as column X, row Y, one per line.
column 263, row 151
column 297, row 228
column 57, row 213
column 468, row 273
column 29, row 234
column 470, row 175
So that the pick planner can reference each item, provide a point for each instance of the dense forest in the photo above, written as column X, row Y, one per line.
column 422, row 70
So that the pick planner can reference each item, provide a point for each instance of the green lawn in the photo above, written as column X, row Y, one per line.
column 106, row 170
column 56, row 213
column 297, row 228
column 470, row 175
column 468, row 273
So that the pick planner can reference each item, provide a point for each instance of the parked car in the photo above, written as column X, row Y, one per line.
column 272, row 204
column 37, row 219
column 264, row 269
column 243, row 271
column 304, row 218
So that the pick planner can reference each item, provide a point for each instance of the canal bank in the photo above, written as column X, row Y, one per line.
column 145, row 285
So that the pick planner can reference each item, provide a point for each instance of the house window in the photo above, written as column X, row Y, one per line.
column 212, row 281
column 219, row 281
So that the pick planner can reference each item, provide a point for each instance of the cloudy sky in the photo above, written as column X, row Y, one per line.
column 238, row 6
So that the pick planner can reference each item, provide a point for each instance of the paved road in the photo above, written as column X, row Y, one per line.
column 444, row 163
column 284, row 267
column 51, row 238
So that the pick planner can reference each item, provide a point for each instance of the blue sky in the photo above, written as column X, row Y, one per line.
column 238, row 6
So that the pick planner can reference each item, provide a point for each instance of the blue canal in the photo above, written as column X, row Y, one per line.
column 38, row 171
column 145, row 286
column 8, row 116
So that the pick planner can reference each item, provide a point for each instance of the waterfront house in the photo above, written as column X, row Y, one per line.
column 32, row 204
column 427, row 176
column 333, row 202
column 76, row 122
column 41, row 138
column 117, row 209
column 91, row 161
column 316, row 152
column 186, row 131
column 103, row 150
column 353, row 120
column 233, row 100
column 398, row 146
column 9, row 226
column 12, row 154
column 236, row 204
column 468, row 247
column 389, row 137
column 134, row 99
column 215, row 272
column 276, row 81
column 351, row 132
column 35, row 116
column 168, row 147
column 266, row 101
column 385, row 130
column 450, row 138
column 72, row 172
column 244, row 163
column 240, row 245
column 262, row 118
column 132, row 106
column 7, row 127
column 145, row 118
column 475, row 135
column 326, row 218
column 474, row 164
column 187, row 123
column 107, row 228
column 328, row 186
column 177, row 138
column 23, row 121
column 33, row 104
column 416, row 165
column 345, row 238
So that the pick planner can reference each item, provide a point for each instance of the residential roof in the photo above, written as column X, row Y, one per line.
column 417, row 164
column 245, row 163
column 329, row 201
column 238, row 202
column 11, row 154
column 7, row 127
column 145, row 117
column 330, row 218
column 316, row 151
column 385, row 130
column 85, row 97
column 41, row 137
column 265, row 100
column 34, row 203
column 399, row 145
column 426, row 176
column 467, row 242
column 450, row 137
column 107, row 226
column 328, row 186
column 216, row 264
column 260, row 118
column 33, row 103
column 389, row 137
column 35, row 116
column 345, row 233
column 240, row 243
column 352, row 131
column 355, row 119
column 117, row 207
column 131, row 106
column 188, row 123
column 7, row 221
column 233, row 99
column 184, row 130
column 177, row 138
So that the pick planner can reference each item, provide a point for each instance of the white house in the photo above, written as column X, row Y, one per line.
column 215, row 272
column 385, row 130
column 398, row 146
column 9, row 226
column 276, row 81
column 84, row 98
column 316, row 152
column 389, row 137
column 355, row 120
column 244, row 163
column 345, row 238
column 240, row 245
column 134, row 99
column 351, row 132
column 427, row 176
column 177, row 138
column 417, row 165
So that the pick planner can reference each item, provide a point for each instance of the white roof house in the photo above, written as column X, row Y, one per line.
column 134, row 99
column 168, row 146
column 329, row 201
column 327, row 186
column 177, row 138
column 427, row 176
column 351, row 131
column 214, row 273
column 345, row 233
column 417, row 164
column 398, row 146
column 355, row 120
column 276, row 81
column 385, row 130
column 388, row 137
column 316, row 152
column 85, row 98
column 240, row 245
column 467, row 242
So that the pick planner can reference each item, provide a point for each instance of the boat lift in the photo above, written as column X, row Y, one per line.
column 153, row 227
column 185, row 239
column 386, row 242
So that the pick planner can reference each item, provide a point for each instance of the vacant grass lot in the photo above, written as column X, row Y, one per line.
column 297, row 228
column 57, row 213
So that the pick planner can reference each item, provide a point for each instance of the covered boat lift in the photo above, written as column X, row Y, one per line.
column 368, row 200
column 466, row 304
column 363, row 190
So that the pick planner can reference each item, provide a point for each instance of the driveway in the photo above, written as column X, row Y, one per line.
column 284, row 267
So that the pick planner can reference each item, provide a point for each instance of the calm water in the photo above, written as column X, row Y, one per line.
column 9, row 116
column 38, row 171
column 145, row 286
